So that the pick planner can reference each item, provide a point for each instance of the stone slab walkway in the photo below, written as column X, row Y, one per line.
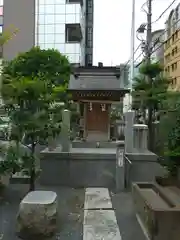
column 85, row 214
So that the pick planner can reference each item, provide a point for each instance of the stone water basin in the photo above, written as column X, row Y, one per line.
column 157, row 214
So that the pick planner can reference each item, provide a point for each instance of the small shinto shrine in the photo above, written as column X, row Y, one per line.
column 95, row 89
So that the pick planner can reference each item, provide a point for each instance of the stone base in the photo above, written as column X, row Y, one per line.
column 37, row 216
column 5, row 180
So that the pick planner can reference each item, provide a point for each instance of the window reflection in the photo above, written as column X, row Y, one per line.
column 59, row 38
column 41, row 38
column 49, row 38
column 70, row 8
column 60, row 9
column 52, row 17
column 41, row 29
column 60, row 18
column 70, row 18
column 60, row 1
column 49, row 19
column 59, row 28
column 49, row 45
column 49, row 29
column 49, row 9
column 60, row 47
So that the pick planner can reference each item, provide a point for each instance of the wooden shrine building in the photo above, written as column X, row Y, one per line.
column 95, row 89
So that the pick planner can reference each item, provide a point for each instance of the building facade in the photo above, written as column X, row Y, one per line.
column 158, row 49
column 66, row 25
column 172, row 48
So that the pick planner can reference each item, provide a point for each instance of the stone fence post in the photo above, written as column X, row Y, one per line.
column 128, row 131
column 120, row 167
column 140, row 137
column 65, row 130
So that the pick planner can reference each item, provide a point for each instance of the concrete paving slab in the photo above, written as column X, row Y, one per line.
column 97, row 198
column 100, row 225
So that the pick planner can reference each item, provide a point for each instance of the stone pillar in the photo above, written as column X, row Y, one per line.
column 140, row 136
column 65, row 130
column 128, row 131
column 120, row 168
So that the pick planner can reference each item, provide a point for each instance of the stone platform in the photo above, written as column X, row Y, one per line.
column 81, row 167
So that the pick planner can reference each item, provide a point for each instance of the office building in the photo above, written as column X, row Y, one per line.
column 172, row 48
column 66, row 25
column 158, row 48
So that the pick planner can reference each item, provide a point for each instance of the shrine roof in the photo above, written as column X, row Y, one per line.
column 96, row 78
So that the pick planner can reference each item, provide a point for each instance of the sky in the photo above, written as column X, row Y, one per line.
column 112, row 27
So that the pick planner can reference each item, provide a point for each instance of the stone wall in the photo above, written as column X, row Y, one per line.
column 79, row 170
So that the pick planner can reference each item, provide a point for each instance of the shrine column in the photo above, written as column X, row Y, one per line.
column 85, row 118
column 109, row 121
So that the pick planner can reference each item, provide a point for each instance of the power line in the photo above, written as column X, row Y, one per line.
column 164, row 11
column 126, row 64
column 164, row 41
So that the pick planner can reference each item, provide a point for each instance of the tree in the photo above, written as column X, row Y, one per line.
column 30, row 97
column 50, row 64
column 7, row 35
column 150, row 95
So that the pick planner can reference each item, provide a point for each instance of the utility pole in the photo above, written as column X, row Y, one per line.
column 148, row 61
column 149, row 32
column 132, row 55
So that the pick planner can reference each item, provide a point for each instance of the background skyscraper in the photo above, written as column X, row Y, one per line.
column 66, row 25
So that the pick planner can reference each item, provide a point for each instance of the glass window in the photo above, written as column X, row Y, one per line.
column 77, row 18
column 70, row 48
column 49, row 9
column 60, row 48
column 50, row 2
column 49, row 38
column 77, row 48
column 41, row 45
column 73, row 58
column 60, row 9
column 70, row 8
column 41, row 39
column 70, row 18
column 41, row 19
column 41, row 29
column 59, row 38
column 49, row 29
column 49, row 45
column 59, row 28
column 49, row 19
column 41, row 2
column 41, row 9
column 60, row 18
column 60, row 1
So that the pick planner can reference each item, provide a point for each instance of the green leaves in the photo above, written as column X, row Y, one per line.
column 31, row 85
column 150, row 93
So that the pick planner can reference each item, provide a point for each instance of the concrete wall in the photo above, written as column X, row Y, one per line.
column 71, row 170
column 143, row 168
column 20, row 14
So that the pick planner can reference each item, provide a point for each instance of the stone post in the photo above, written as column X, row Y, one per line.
column 140, row 136
column 120, row 167
column 65, row 130
column 128, row 131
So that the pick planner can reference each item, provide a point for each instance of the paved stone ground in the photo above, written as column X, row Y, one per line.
column 71, row 211
column 125, row 215
column 70, row 204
